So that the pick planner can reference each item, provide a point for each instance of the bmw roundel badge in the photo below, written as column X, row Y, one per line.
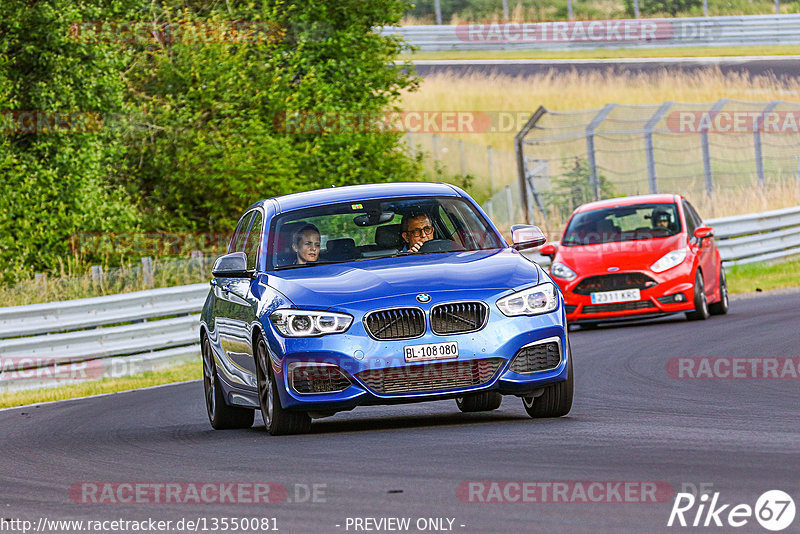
column 423, row 297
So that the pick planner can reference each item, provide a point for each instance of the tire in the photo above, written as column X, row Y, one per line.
column 721, row 307
column 220, row 414
column 700, row 312
column 485, row 401
column 556, row 401
column 278, row 421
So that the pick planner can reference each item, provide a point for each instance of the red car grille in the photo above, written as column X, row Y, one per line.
column 430, row 377
column 613, row 282
column 620, row 306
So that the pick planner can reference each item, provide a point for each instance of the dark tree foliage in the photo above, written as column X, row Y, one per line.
column 190, row 128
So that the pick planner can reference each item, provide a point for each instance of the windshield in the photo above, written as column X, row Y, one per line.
column 369, row 229
column 622, row 223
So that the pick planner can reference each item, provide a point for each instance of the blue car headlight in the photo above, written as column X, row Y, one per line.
column 309, row 323
column 531, row 301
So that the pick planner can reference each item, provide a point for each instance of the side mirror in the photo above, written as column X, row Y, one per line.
column 702, row 232
column 524, row 236
column 233, row 265
column 549, row 249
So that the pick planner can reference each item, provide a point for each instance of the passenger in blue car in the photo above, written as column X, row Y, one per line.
column 306, row 244
column 415, row 228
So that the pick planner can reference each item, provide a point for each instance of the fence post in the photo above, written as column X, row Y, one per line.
column 435, row 147
column 636, row 12
column 148, row 274
column 519, row 141
column 705, row 8
column 569, row 10
column 437, row 7
column 505, row 9
column 757, row 142
column 777, row 7
column 410, row 144
column 648, row 144
column 706, row 152
column 600, row 117
column 462, row 163
column 490, row 208
column 491, row 170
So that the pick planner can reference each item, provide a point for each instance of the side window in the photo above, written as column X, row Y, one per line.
column 691, row 223
column 253, row 240
column 240, row 233
column 698, row 221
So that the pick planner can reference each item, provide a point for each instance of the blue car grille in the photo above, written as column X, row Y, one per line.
column 458, row 317
column 397, row 323
column 326, row 379
column 430, row 377
column 536, row 358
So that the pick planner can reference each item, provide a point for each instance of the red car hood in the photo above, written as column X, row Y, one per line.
column 625, row 255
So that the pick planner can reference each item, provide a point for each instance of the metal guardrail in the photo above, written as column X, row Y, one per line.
column 58, row 343
column 751, row 238
column 622, row 33
column 83, row 337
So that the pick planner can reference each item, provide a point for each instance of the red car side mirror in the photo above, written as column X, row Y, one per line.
column 548, row 250
column 702, row 232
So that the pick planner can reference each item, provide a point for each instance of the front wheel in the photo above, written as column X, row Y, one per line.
column 220, row 414
column 700, row 312
column 556, row 400
column 485, row 401
column 721, row 307
column 277, row 420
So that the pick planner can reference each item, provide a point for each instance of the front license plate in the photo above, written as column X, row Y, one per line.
column 431, row 351
column 608, row 297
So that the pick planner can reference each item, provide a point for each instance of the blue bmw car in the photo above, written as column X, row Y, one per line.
column 379, row 294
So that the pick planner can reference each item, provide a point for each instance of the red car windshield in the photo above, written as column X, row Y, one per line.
column 622, row 223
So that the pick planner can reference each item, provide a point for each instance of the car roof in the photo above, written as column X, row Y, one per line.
column 627, row 201
column 353, row 193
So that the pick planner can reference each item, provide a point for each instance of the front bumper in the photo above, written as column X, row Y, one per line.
column 655, row 301
column 360, row 357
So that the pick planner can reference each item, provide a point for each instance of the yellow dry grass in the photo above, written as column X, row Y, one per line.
column 573, row 91
column 578, row 91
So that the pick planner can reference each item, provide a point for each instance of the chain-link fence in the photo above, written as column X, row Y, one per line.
column 713, row 152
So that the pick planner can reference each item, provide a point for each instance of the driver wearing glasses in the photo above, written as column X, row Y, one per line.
column 416, row 229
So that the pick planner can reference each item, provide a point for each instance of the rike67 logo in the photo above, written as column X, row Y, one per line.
column 774, row 510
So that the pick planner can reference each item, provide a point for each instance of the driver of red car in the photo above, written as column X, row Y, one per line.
column 415, row 229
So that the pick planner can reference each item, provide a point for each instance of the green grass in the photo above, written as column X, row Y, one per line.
column 764, row 276
column 178, row 373
column 602, row 53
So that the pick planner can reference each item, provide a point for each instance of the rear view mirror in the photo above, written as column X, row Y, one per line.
column 524, row 236
column 373, row 218
column 231, row 265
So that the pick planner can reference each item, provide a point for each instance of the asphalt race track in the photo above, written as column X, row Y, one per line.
column 630, row 422
column 778, row 66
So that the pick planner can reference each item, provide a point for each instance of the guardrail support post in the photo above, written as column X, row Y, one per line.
column 590, row 129
column 706, row 152
column 757, row 141
column 648, row 144
column 148, row 275
column 97, row 274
